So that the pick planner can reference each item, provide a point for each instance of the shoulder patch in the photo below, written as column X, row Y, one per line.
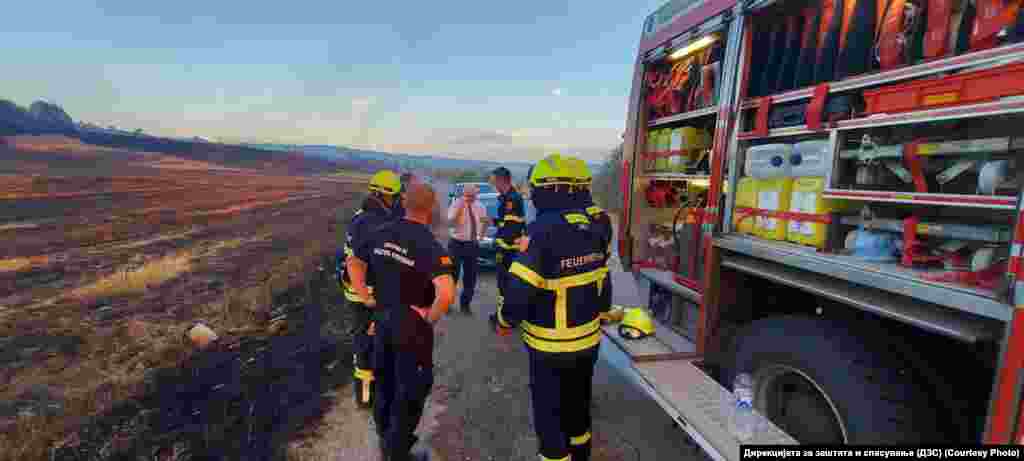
column 446, row 261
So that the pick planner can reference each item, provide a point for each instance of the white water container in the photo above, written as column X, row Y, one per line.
column 768, row 161
column 810, row 158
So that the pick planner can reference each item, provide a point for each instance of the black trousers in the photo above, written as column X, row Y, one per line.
column 561, row 387
column 505, row 258
column 403, row 385
column 362, row 360
column 465, row 255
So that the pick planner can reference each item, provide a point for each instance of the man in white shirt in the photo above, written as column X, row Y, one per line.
column 469, row 220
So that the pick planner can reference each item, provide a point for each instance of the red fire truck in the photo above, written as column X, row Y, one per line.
column 825, row 195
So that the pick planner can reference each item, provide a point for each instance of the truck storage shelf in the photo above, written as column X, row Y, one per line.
column 664, row 279
column 886, row 276
column 664, row 344
column 676, row 176
column 1008, row 105
column 937, row 319
column 983, row 57
column 949, row 230
column 703, row 408
column 712, row 110
column 971, row 201
column 779, row 132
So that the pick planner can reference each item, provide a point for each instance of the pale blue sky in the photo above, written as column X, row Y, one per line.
column 478, row 79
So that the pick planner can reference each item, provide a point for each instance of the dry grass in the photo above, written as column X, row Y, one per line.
column 109, row 369
column 16, row 226
column 138, row 281
column 157, row 239
column 112, row 362
column 56, row 143
column 14, row 264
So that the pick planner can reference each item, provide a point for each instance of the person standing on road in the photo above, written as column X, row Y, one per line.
column 412, row 270
column 511, row 225
column 469, row 218
column 375, row 212
column 558, row 290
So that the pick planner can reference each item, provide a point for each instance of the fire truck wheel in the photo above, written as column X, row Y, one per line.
column 822, row 384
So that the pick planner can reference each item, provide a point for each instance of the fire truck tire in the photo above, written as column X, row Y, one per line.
column 822, row 383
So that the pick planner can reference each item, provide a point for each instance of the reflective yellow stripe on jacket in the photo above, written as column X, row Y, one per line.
column 505, row 245
column 561, row 338
column 351, row 295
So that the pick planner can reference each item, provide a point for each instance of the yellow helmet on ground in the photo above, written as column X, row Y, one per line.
column 636, row 324
column 554, row 170
column 385, row 182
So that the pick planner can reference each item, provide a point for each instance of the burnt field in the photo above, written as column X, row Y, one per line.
column 108, row 255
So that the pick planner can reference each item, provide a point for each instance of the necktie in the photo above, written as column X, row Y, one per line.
column 472, row 222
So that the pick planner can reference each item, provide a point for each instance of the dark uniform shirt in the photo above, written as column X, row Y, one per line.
column 405, row 258
column 559, row 288
column 511, row 220
column 372, row 215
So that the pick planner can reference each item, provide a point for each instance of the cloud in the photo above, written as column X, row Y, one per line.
column 510, row 144
column 493, row 137
column 556, row 92
column 362, row 102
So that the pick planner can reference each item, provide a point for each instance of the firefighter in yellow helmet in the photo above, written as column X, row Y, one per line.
column 377, row 210
column 556, row 293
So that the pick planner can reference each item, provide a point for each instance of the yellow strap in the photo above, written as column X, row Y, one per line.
column 576, row 218
column 545, row 458
column 363, row 374
column 594, row 210
column 533, row 278
column 351, row 294
column 506, row 246
column 528, row 275
column 513, row 218
column 560, row 286
column 501, row 318
column 544, row 345
column 580, row 439
column 563, row 334
column 348, row 251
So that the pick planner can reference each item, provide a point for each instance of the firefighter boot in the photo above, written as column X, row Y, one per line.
column 363, row 384
column 579, row 451
column 382, row 449
column 411, row 452
column 363, row 388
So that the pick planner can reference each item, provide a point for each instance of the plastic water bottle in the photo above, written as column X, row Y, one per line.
column 745, row 421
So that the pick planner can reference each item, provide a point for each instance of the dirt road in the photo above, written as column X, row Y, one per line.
column 479, row 408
